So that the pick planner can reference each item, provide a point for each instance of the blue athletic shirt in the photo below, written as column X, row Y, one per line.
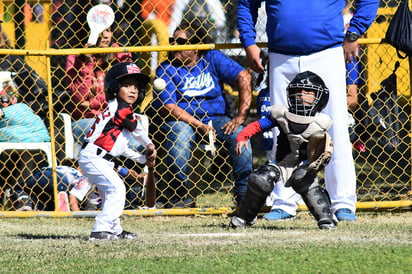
column 354, row 73
column 263, row 110
column 302, row 27
column 198, row 89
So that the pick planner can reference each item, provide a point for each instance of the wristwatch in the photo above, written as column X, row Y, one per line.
column 352, row 36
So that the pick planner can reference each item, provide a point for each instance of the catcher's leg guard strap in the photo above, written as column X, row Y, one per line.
column 260, row 184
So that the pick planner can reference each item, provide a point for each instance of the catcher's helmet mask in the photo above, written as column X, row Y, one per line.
column 308, row 81
column 120, row 70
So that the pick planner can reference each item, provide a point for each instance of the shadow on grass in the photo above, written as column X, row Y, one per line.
column 260, row 225
column 30, row 236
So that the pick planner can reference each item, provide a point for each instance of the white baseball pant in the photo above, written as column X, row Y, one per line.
column 112, row 190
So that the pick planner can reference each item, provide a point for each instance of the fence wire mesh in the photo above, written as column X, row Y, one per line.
column 380, row 132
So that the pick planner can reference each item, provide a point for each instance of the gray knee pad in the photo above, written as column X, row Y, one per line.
column 260, row 184
column 300, row 180
column 262, row 180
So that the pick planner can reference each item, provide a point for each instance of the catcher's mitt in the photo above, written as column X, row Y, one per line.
column 319, row 149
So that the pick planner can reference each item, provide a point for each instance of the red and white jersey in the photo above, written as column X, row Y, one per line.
column 114, row 127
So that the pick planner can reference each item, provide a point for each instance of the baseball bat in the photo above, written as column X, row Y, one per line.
column 150, row 198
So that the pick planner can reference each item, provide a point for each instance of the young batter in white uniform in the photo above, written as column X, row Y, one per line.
column 109, row 137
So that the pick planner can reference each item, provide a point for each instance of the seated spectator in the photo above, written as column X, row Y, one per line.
column 36, row 192
column 194, row 96
column 85, row 78
column 18, row 124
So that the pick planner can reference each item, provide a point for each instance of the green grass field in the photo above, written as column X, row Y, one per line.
column 377, row 243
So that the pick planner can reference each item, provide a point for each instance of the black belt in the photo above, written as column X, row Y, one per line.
column 107, row 156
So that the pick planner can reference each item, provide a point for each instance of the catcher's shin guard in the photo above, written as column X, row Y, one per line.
column 315, row 197
column 318, row 202
column 260, row 184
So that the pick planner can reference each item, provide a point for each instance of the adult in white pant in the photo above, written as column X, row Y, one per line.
column 309, row 35
column 340, row 174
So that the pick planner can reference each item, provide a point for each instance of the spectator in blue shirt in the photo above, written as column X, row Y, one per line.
column 194, row 96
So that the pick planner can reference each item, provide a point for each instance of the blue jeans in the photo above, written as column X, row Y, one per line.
column 181, row 139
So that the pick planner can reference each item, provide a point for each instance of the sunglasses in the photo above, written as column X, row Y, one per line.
column 178, row 40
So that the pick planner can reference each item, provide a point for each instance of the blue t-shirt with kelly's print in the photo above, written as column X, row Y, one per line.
column 198, row 89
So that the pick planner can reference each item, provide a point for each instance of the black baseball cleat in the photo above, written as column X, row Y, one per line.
column 127, row 235
column 102, row 236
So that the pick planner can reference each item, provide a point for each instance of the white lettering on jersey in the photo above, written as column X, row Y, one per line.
column 200, row 85
column 264, row 109
column 268, row 134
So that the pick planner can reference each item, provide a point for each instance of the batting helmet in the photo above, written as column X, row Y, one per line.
column 307, row 81
column 120, row 70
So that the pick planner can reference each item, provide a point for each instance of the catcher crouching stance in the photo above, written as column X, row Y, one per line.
column 303, row 149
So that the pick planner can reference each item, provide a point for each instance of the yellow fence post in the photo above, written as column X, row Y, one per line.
column 51, row 121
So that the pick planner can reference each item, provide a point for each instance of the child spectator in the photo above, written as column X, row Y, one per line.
column 36, row 192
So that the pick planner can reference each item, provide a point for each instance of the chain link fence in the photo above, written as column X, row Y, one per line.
column 50, row 62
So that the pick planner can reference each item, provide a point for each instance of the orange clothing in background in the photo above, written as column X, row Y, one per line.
column 163, row 9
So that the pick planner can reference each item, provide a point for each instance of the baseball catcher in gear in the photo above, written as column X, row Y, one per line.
column 303, row 149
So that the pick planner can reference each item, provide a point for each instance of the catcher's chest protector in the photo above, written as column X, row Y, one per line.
column 299, row 128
